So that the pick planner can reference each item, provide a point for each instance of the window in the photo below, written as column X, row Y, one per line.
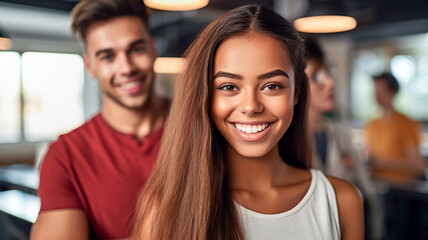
column 43, row 95
column 404, row 57
column 10, row 114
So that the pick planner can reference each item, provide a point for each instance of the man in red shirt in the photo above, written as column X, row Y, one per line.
column 91, row 176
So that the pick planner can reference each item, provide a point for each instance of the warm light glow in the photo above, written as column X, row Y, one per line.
column 176, row 5
column 5, row 43
column 168, row 65
column 325, row 24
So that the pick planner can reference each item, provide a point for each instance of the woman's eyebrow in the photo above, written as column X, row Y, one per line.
column 274, row 73
column 228, row 75
column 277, row 72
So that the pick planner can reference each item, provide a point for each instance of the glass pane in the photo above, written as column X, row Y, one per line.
column 406, row 58
column 9, row 97
column 52, row 89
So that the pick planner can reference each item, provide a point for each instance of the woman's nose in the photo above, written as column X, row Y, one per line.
column 250, row 103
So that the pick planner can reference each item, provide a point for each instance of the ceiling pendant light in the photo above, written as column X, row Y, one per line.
column 168, row 65
column 325, row 16
column 5, row 42
column 176, row 5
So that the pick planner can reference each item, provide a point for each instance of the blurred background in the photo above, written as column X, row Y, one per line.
column 45, row 90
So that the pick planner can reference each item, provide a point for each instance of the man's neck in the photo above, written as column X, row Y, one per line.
column 138, row 122
column 388, row 111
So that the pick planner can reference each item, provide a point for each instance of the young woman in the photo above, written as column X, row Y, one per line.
column 234, row 159
column 334, row 153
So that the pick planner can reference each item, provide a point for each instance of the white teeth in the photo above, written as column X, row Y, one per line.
column 129, row 85
column 254, row 129
column 251, row 128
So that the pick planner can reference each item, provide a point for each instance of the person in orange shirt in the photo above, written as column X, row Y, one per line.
column 393, row 139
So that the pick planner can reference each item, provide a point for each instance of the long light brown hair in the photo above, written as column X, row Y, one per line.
column 187, row 196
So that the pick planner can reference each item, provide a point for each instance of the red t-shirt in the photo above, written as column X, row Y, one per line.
column 99, row 170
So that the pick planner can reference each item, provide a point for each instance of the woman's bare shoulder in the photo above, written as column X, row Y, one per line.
column 345, row 189
column 350, row 205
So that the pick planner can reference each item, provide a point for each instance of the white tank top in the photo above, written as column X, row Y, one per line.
column 315, row 217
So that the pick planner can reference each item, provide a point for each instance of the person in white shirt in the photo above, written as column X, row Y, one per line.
column 234, row 161
column 334, row 153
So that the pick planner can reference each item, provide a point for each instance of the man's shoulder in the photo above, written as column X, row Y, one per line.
column 81, row 134
column 80, row 139
column 405, row 118
column 372, row 124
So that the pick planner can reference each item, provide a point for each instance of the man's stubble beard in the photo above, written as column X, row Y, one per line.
column 134, row 108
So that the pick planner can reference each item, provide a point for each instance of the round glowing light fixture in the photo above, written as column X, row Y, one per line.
column 176, row 5
column 5, row 42
column 325, row 17
column 325, row 24
column 168, row 65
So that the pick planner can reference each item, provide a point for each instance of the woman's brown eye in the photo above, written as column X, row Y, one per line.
column 228, row 88
column 272, row 87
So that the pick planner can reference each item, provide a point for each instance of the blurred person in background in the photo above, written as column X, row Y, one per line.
column 393, row 139
column 91, row 176
column 333, row 150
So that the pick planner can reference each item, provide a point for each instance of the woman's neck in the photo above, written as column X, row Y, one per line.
column 266, row 184
column 255, row 174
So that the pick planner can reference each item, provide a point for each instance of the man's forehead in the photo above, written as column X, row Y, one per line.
column 116, row 33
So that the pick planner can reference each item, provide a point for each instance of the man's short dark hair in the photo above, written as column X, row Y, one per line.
column 88, row 12
column 389, row 79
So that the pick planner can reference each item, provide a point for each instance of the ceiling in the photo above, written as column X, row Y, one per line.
column 369, row 11
column 67, row 5
column 174, row 30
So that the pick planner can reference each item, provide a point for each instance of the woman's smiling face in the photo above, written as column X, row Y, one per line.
column 253, row 93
